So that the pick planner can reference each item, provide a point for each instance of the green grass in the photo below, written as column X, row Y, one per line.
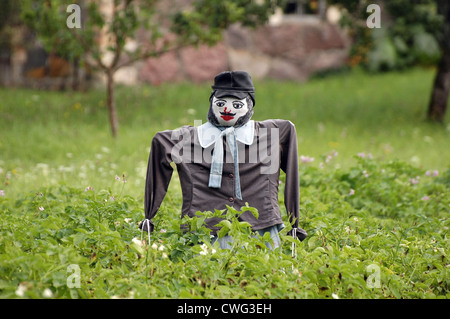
column 54, row 145
column 349, row 113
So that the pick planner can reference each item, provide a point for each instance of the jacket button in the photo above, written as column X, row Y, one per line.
column 231, row 175
column 231, row 199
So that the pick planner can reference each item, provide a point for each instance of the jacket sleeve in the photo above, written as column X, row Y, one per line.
column 159, row 173
column 289, row 164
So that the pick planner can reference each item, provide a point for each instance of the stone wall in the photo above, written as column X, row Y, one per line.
column 287, row 51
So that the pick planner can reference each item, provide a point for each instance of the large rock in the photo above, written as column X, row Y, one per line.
column 203, row 63
column 164, row 68
column 289, row 51
column 258, row 65
column 286, row 51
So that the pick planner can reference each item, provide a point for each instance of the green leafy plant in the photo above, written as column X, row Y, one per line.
column 383, row 223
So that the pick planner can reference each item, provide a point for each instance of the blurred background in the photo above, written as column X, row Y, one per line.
column 282, row 40
column 85, row 84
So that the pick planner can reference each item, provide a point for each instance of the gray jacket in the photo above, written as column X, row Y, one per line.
column 272, row 146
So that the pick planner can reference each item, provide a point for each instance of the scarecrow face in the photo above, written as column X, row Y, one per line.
column 229, row 109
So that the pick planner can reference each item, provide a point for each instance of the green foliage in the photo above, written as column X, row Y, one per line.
column 49, row 19
column 204, row 22
column 386, row 224
column 410, row 34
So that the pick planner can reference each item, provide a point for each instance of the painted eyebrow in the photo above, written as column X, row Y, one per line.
column 220, row 101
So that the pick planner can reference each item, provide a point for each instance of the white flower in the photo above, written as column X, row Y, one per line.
column 204, row 251
column 41, row 208
column 164, row 255
column 2, row 192
column 47, row 293
column 161, row 248
column 127, row 220
column 334, row 296
column 352, row 192
column 154, row 246
column 20, row 291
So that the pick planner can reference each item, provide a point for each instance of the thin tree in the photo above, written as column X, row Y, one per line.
column 197, row 22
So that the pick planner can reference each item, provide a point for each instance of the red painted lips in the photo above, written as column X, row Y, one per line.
column 227, row 116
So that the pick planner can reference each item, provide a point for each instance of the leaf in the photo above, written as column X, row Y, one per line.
column 79, row 238
column 245, row 225
column 253, row 210
column 59, row 279
column 137, row 248
column 226, row 226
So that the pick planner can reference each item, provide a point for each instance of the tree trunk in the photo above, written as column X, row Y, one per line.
column 76, row 74
column 441, row 87
column 111, row 103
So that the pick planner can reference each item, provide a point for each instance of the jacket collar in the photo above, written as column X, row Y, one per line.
column 208, row 133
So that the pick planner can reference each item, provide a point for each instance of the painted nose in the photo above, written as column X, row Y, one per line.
column 226, row 110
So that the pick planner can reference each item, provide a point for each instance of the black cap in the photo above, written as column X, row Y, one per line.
column 234, row 83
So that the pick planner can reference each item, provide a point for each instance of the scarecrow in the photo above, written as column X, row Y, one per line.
column 230, row 160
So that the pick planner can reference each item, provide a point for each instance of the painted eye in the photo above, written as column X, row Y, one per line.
column 238, row 105
column 220, row 103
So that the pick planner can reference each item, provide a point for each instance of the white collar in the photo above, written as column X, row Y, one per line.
column 208, row 133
